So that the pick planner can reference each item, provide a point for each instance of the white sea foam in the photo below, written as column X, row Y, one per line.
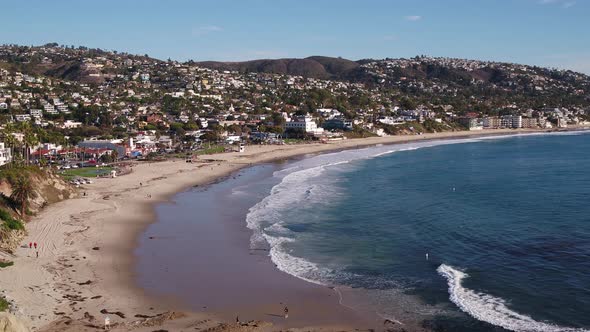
column 490, row 309
column 300, row 186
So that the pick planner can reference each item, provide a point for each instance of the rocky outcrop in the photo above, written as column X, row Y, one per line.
column 50, row 188
column 9, row 323
column 10, row 239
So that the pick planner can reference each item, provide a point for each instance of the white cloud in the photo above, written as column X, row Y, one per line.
column 413, row 18
column 207, row 29
column 563, row 3
column 569, row 4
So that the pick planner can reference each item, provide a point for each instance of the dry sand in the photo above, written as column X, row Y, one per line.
column 85, row 262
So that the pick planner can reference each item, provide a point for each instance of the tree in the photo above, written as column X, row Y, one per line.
column 278, row 119
column 9, row 139
column 31, row 140
column 22, row 191
column 210, row 136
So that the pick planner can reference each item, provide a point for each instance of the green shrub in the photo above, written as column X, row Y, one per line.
column 4, row 215
column 3, row 304
column 6, row 264
column 14, row 224
column 10, row 222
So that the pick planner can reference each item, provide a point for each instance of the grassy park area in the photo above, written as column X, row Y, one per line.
column 86, row 172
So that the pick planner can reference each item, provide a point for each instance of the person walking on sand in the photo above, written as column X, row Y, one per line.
column 107, row 323
column 35, row 245
column 30, row 245
column 286, row 312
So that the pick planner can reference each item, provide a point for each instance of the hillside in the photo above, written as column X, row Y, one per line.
column 461, row 71
column 315, row 67
column 123, row 89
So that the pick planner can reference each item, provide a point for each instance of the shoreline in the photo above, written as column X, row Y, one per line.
column 81, row 241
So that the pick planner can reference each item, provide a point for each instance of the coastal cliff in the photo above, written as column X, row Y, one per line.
column 47, row 188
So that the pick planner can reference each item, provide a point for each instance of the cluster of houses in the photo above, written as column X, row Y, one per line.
column 529, row 119
column 518, row 77
column 148, row 100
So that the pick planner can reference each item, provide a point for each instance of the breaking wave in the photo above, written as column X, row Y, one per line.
column 490, row 309
column 301, row 185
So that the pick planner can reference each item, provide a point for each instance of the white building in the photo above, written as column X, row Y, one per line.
column 49, row 108
column 22, row 117
column 63, row 109
column 36, row 113
column 305, row 123
column 329, row 113
column 5, row 156
column 69, row 124
column 511, row 121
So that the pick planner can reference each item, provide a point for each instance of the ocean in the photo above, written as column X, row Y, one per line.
column 487, row 234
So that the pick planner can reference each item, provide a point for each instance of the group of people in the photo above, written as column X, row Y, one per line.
column 34, row 244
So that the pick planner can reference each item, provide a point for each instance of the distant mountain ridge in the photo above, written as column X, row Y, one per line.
column 321, row 67
column 371, row 71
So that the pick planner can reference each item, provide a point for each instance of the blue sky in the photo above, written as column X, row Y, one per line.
column 543, row 32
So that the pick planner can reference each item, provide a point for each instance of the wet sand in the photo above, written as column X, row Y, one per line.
column 205, row 229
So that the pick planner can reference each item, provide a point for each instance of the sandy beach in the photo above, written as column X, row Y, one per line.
column 85, row 269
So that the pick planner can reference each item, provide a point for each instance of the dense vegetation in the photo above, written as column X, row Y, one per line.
column 9, row 221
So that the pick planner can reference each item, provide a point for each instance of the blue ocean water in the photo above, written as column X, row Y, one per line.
column 505, row 223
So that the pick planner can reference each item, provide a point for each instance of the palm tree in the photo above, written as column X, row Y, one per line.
column 22, row 192
column 31, row 140
column 114, row 155
column 9, row 140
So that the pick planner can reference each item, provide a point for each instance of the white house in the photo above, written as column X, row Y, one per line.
column 329, row 113
column 36, row 113
column 5, row 156
column 305, row 123
column 22, row 117
column 63, row 109
column 69, row 124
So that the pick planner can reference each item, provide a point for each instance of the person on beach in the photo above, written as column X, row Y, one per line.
column 35, row 245
column 37, row 253
column 286, row 312
column 30, row 245
column 107, row 322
